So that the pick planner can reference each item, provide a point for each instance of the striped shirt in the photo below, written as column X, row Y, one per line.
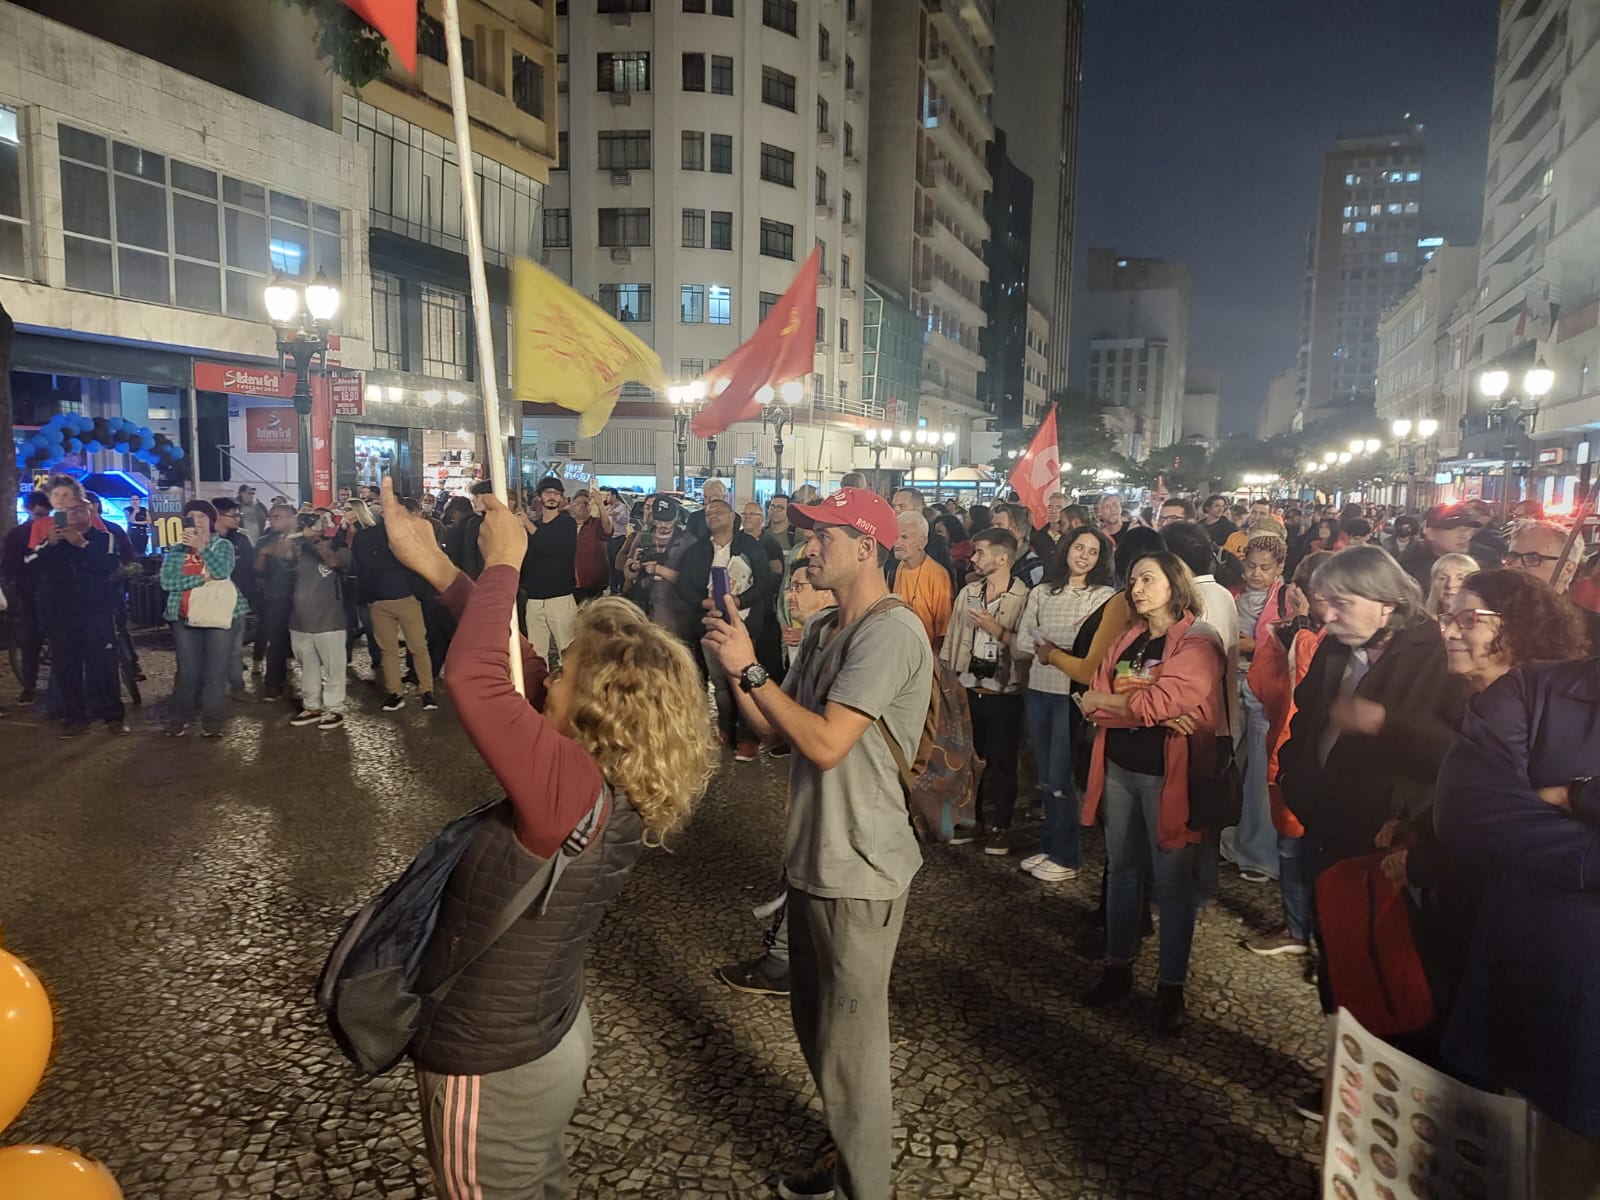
column 1057, row 616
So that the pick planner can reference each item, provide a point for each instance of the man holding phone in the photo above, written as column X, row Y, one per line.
column 732, row 562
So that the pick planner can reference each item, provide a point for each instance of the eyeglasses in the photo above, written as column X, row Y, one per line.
column 1529, row 561
column 1466, row 620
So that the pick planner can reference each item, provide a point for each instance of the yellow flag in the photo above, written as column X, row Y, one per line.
column 570, row 352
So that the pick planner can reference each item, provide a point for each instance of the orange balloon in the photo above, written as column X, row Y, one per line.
column 26, row 1031
column 51, row 1173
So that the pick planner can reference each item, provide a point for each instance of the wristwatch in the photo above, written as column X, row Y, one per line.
column 753, row 677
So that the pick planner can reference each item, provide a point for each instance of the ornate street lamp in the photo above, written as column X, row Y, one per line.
column 301, row 317
column 777, row 410
column 1514, row 412
column 685, row 400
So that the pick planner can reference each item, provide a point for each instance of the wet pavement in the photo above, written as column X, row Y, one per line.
column 178, row 897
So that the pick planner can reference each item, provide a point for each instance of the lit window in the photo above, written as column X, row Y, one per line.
column 1413, row 176
column 1391, row 256
column 626, row 301
column 1412, row 206
column 1361, row 226
column 719, row 302
column 1395, row 209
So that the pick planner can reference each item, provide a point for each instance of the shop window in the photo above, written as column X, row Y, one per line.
column 627, row 302
column 444, row 332
column 388, row 322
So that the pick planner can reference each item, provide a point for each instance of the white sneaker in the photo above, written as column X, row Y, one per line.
column 1051, row 872
column 1032, row 861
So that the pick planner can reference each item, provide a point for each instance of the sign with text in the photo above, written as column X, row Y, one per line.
column 243, row 381
column 1552, row 456
column 271, row 431
column 348, row 393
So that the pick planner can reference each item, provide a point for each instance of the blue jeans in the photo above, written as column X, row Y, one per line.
column 1294, row 883
column 1252, row 844
column 1129, row 805
column 1049, row 729
column 202, row 683
column 236, row 656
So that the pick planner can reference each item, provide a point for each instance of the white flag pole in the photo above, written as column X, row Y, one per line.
column 487, row 380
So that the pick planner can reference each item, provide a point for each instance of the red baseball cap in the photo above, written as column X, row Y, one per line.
column 856, row 508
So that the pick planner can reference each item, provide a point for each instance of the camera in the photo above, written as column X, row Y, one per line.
column 305, row 521
column 648, row 555
column 983, row 668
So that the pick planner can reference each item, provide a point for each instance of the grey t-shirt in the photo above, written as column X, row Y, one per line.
column 318, row 591
column 849, row 835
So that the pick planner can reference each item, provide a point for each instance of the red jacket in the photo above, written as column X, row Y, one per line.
column 1270, row 680
column 1189, row 683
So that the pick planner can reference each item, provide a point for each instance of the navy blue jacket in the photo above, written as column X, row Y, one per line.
column 76, row 590
column 1528, row 1014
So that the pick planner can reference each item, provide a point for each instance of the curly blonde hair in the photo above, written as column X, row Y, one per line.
column 639, row 707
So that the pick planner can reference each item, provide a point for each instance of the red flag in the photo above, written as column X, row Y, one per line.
column 1037, row 475
column 396, row 20
column 782, row 348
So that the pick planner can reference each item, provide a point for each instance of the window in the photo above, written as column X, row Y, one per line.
column 691, row 368
column 844, row 270
column 849, row 73
column 782, row 15
column 822, row 326
column 721, row 75
column 822, row 255
column 1413, row 176
column 692, row 304
column 388, row 323
column 444, row 332
column 850, row 10
column 625, row 150
column 722, row 8
column 1391, row 256
column 527, row 84
column 563, row 153
column 694, row 72
column 627, row 301
column 623, row 71
column 722, row 153
column 777, row 239
column 694, row 150
column 563, row 73
column 694, row 6
column 557, row 228
column 624, row 226
column 849, row 140
column 11, row 226
column 824, row 43
column 1395, row 209
column 777, row 88
column 622, row 6
column 720, row 305
column 846, row 209
column 777, row 165
column 721, row 230
column 769, row 301
column 694, row 227
column 1411, row 206
column 822, row 115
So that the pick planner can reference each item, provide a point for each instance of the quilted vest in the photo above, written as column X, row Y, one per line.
column 517, row 1001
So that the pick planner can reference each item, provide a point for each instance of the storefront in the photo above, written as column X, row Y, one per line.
column 451, row 462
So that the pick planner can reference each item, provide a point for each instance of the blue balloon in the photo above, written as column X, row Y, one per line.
column 38, row 441
column 54, row 436
column 145, row 432
column 119, row 447
column 177, row 453
column 74, row 445
column 92, row 446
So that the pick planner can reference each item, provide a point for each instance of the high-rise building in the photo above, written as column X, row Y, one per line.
column 706, row 147
column 932, row 76
column 1277, row 413
column 1202, row 399
column 1006, row 296
column 1039, row 66
column 1132, row 336
column 1362, row 253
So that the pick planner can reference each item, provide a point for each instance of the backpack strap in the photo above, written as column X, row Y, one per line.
column 538, row 888
column 908, row 778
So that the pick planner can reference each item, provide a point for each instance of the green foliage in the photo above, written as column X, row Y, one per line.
column 353, row 50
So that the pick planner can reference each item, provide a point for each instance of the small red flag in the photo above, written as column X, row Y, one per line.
column 1037, row 475
column 396, row 20
column 782, row 348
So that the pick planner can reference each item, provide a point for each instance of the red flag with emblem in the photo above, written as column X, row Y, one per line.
column 1037, row 475
column 782, row 348
column 396, row 20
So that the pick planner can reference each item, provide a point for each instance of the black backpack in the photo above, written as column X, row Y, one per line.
column 367, row 988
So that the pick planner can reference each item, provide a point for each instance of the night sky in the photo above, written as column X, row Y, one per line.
column 1204, row 124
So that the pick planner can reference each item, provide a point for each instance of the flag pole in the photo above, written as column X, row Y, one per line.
column 488, row 382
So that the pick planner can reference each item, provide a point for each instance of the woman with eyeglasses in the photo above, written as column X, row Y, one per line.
column 1503, row 619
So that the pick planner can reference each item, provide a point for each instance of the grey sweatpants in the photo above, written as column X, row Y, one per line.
column 841, row 953
column 498, row 1136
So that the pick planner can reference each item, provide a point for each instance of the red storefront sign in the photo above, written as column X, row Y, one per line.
column 243, row 381
column 271, row 431
column 348, row 393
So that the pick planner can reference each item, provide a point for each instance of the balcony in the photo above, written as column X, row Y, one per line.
column 947, row 192
column 947, row 138
column 943, row 72
column 824, row 212
column 852, row 407
column 954, row 29
column 827, row 68
column 952, row 352
column 953, row 300
column 946, row 243
column 824, row 137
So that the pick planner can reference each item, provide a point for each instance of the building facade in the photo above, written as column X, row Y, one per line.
column 1201, row 403
column 1039, row 59
column 1004, row 338
column 1132, row 335
column 1277, row 411
column 1362, row 254
column 143, row 211
column 933, row 76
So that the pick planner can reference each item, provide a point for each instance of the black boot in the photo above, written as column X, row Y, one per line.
column 1113, row 985
column 1169, row 1008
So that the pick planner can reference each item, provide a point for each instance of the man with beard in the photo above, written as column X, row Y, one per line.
column 549, row 570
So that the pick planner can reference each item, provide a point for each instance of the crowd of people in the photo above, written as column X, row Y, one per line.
column 1274, row 689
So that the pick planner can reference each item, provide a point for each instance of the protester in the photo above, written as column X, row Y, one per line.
column 1358, row 532
column 920, row 581
column 252, row 513
column 1448, row 573
column 769, row 639
column 980, row 646
column 275, row 584
column 390, row 591
column 461, row 533
column 1046, row 542
column 649, row 561
column 1078, row 584
column 1447, row 529
column 1157, row 700
column 624, row 721
column 1014, row 519
column 1174, row 508
column 19, row 577
column 319, row 565
column 1537, row 548
column 244, row 578
column 76, row 598
column 549, row 575
column 357, row 515
column 1405, row 535
column 958, row 547
column 851, row 851
column 1486, row 544
column 1504, row 619
column 1214, row 519
column 1252, row 845
column 591, row 566
column 1108, row 513
column 201, row 686
column 712, row 489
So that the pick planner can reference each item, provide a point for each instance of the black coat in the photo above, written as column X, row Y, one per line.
column 694, row 577
column 1371, row 778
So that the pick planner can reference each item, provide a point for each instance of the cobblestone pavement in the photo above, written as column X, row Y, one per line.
column 178, row 897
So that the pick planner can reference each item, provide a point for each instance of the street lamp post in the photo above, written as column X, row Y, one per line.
column 1513, row 416
column 685, row 400
column 314, row 307
column 947, row 441
column 1409, row 446
column 777, row 410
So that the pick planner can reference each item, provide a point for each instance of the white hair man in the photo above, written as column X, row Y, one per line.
column 1539, row 548
column 920, row 581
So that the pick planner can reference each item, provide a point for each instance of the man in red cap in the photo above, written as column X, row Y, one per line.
column 850, row 851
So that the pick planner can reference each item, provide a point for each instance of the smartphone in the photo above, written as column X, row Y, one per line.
column 720, row 587
column 60, row 518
